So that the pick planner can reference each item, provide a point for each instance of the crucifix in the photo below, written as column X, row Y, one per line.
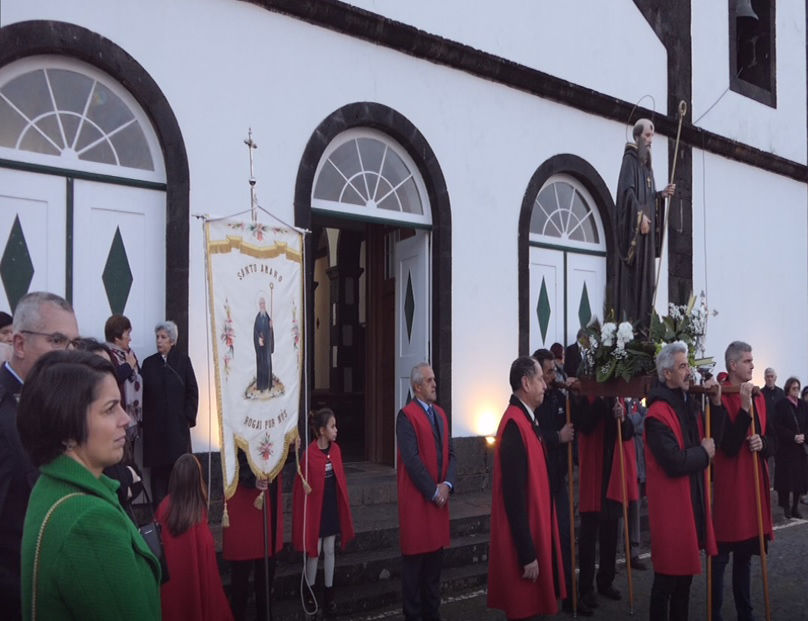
column 253, row 201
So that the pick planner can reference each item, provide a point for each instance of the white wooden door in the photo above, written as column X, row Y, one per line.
column 546, row 308
column 119, row 259
column 32, row 235
column 586, row 291
column 413, row 312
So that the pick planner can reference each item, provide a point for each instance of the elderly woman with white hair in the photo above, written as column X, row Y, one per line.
column 170, row 399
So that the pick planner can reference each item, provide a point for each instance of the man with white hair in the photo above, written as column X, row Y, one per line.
column 43, row 322
column 677, row 457
column 639, row 215
column 772, row 393
column 426, row 476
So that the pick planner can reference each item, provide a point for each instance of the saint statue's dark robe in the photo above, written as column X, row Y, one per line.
column 636, row 196
column 264, row 342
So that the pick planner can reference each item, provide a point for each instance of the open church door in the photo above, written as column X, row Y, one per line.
column 413, row 311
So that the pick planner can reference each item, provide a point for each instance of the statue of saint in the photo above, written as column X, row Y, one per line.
column 639, row 222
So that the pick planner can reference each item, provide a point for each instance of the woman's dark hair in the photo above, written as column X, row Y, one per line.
column 558, row 350
column 55, row 397
column 5, row 319
column 115, row 327
column 89, row 344
column 804, row 392
column 186, row 487
column 320, row 418
column 789, row 383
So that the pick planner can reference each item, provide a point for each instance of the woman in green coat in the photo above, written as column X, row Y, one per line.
column 82, row 557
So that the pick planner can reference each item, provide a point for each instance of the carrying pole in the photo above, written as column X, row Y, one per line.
column 764, row 569
column 708, row 434
column 573, row 577
column 627, row 544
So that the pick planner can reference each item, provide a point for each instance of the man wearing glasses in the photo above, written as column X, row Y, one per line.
column 43, row 322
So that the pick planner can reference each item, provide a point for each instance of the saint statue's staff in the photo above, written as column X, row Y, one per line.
column 764, row 569
column 627, row 544
column 571, row 495
column 682, row 112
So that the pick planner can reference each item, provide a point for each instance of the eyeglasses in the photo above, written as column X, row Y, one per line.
column 56, row 339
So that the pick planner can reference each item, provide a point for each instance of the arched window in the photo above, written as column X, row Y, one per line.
column 54, row 108
column 366, row 174
column 564, row 215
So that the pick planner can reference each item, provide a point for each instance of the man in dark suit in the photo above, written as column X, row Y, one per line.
column 43, row 322
column 572, row 355
column 426, row 477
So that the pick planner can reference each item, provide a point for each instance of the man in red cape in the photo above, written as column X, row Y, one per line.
column 524, row 566
column 735, row 508
column 426, row 475
column 601, row 490
column 677, row 460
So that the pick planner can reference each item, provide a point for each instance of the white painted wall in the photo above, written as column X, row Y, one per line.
column 605, row 46
column 282, row 77
column 781, row 131
column 755, row 227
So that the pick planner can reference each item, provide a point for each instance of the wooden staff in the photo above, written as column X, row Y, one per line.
column 682, row 112
column 573, row 577
column 707, row 429
column 763, row 565
column 625, row 513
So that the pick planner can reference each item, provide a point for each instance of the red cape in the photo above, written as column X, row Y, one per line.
column 424, row 527
column 194, row 589
column 590, row 470
column 243, row 540
column 674, row 539
column 735, row 508
column 314, row 503
column 507, row 590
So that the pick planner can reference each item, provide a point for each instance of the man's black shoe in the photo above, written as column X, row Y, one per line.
column 583, row 609
column 610, row 592
column 637, row 564
column 590, row 600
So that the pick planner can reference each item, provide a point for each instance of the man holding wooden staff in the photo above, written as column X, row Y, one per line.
column 677, row 458
column 742, row 515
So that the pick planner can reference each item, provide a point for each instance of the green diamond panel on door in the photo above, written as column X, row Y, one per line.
column 117, row 276
column 409, row 306
column 543, row 310
column 584, row 309
column 16, row 267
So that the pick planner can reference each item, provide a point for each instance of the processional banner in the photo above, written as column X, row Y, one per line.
column 256, row 298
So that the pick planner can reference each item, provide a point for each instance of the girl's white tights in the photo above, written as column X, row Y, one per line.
column 327, row 547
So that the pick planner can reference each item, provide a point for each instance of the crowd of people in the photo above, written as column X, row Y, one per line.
column 76, row 413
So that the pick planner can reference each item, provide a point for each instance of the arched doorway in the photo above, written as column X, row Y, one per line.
column 372, row 217
column 565, row 252
column 83, row 207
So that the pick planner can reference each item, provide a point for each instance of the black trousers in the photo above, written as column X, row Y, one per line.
column 420, row 585
column 603, row 532
column 670, row 597
column 240, row 588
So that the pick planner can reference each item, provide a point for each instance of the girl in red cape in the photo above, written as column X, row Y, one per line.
column 194, row 590
column 326, row 510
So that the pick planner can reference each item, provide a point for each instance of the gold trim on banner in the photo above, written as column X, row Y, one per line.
column 233, row 242
column 224, row 247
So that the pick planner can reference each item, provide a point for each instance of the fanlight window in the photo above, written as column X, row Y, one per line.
column 61, row 112
column 366, row 174
column 563, row 214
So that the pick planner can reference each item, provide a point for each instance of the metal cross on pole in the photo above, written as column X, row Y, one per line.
column 251, row 145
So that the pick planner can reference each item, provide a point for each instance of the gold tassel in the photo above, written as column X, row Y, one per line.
column 225, row 517
column 306, row 486
column 258, row 503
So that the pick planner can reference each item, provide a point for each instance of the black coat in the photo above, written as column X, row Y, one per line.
column 17, row 478
column 790, row 461
column 170, row 399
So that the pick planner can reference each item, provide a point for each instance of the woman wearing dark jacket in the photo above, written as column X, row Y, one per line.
column 790, row 462
column 170, row 399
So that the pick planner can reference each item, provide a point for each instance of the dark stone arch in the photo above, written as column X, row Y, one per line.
column 582, row 171
column 35, row 38
column 387, row 120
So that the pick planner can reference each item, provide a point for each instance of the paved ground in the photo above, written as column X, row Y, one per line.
column 788, row 588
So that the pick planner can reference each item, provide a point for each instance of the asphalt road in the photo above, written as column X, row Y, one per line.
column 788, row 588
